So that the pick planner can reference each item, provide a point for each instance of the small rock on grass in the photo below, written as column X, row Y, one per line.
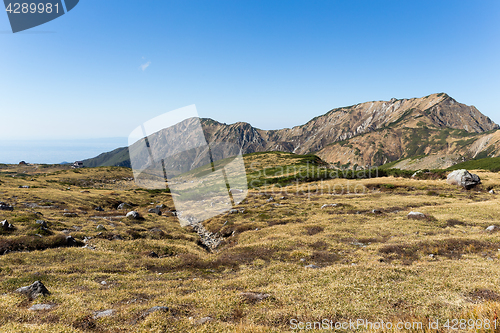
column 254, row 296
column 134, row 215
column 6, row 225
column 203, row 320
column 70, row 214
column 34, row 290
column 105, row 313
column 491, row 228
column 312, row 266
column 41, row 307
column 42, row 223
column 156, row 211
column 416, row 215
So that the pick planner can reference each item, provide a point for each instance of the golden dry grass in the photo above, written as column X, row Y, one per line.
column 372, row 265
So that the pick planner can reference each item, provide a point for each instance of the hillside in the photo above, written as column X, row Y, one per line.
column 336, row 249
column 371, row 133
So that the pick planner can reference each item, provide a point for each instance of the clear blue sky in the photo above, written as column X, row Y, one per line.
column 273, row 64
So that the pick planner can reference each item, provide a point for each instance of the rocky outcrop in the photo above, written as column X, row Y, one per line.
column 34, row 290
column 463, row 178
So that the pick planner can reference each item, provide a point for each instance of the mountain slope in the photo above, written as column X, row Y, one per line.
column 370, row 133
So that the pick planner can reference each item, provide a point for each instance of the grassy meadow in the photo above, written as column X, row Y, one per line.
column 336, row 249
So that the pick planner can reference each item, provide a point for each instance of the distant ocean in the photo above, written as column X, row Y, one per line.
column 56, row 151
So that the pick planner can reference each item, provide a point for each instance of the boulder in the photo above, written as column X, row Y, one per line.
column 42, row 223
column 34, row 290
column 70, row 241
column 4, row 206
column 123, row 205
column 41, row 307
column 156, row 211
column 6, row 225
column 155, row 309
column 134, row 215
column 463, row 178
column 105, row 313
column 416, row 215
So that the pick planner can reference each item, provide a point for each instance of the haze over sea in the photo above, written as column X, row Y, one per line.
column 56, row 151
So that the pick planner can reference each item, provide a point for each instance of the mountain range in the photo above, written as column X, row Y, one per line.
column 434, row 131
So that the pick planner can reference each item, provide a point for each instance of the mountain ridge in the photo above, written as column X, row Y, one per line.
column 401, row 119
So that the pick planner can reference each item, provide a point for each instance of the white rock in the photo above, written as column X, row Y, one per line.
column 491, row 228
column 39, row 307
column 105, row 313
column 415, row 215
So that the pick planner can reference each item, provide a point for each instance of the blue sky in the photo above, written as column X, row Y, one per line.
column 273, row 64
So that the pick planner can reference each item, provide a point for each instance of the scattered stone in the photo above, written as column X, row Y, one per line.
column 117, row 237
column 235, row 190
column 105, row 313
column 100, row 227
column 312, row 266
column 34, row 290
column 253, row 297
column 156, row 211
column 271, row 199
column 491, row 191
column 416, row 215
column 24, row 186
column 328, row 205
column 99, row 209
column 134, row 215
column 87, row 246
column 70, row 241
column 41, row 307
column 208, row 239
column 103, row 283
column 155, row 309
column 302, row 259
column 491, row 228
column 4, row 206
column 85, row 191
column 233, row 211
column 160, row 206
column 42, row 223
column 376, row 211
column 123, row 205
column 153, row 254
column 6, row 226
column 432, row 256
column 70, row 214
column 203, row 320
column 463, row 178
